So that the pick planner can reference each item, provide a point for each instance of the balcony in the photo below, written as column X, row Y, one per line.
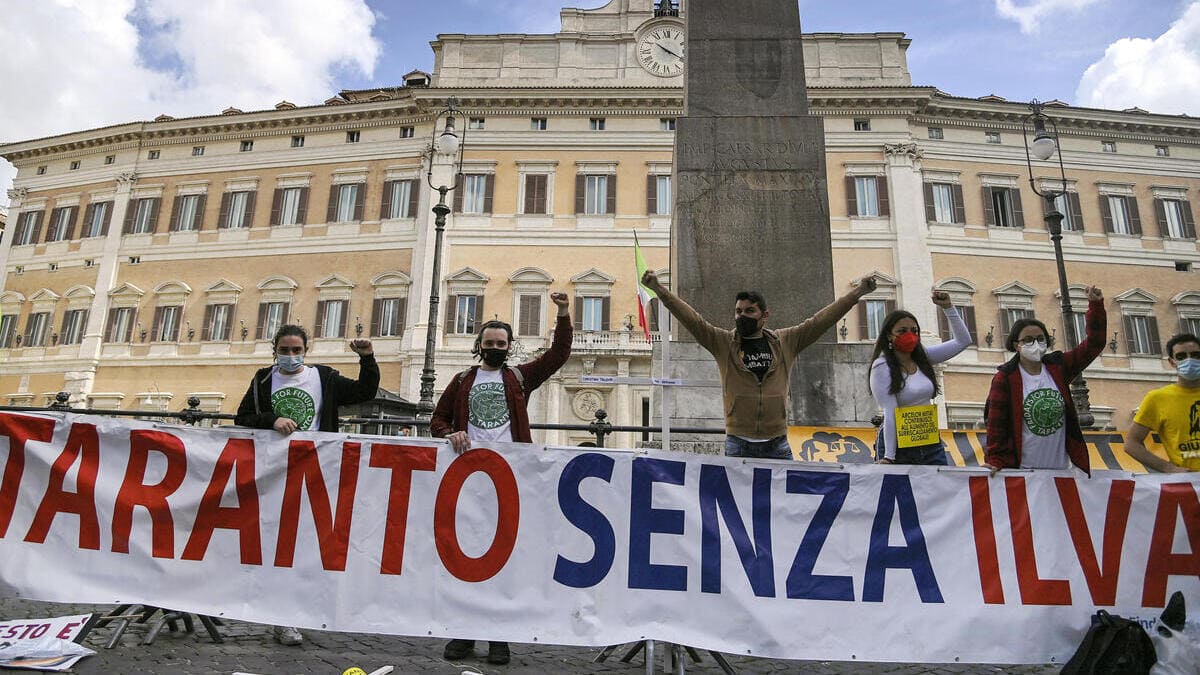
column 612, row 342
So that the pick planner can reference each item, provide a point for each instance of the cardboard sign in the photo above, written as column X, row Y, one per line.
column 916, row 425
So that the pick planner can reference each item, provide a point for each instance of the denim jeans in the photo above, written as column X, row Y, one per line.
column 934, row 453
column 775, row 448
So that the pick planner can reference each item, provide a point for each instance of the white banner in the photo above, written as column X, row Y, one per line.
column 584, row 546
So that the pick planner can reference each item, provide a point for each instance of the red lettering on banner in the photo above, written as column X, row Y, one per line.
column 153, row 498
column 1101, row 580
column 236, row 459
column 1173, row 498
column 985, row 541
column 402, row 460
column 1034, row 589
column 65, row 633
column 445, row 512
column 333, row 531
column 19, row 429
column 83, row 444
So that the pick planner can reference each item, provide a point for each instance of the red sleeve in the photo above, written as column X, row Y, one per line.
column 441, row 424
column 999, row 450
column 540, row 369
column 1096, row 325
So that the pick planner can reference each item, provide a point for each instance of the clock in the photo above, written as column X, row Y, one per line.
column 660, row 49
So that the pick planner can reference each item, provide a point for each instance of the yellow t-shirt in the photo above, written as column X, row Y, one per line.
column 1174, row 413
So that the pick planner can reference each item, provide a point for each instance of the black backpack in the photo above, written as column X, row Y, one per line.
column 1113, row 646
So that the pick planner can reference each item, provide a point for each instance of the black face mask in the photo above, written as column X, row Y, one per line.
column 747, row 326
column 494, row 357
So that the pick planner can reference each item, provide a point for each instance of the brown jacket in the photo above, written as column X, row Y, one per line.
column 756, row 409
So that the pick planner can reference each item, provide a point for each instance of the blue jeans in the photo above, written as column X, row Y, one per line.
column 934, row 453
column 775, row 448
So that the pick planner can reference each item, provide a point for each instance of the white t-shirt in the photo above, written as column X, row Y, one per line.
column 487, row 408
column 1043, row 423
column 297, row 397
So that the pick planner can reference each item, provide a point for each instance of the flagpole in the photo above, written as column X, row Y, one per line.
column 664, row 339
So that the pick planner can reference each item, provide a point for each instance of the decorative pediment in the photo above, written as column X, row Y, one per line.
column 11, row 298
column 1184, row 298
column 335, row 281
column 80, row 291
column 468, row 275
column 126, row 289
column 392, row 278
column 44, row 295
column 882, row 279
column 530, row 275
column 1015, row 288
column 956, row 285
column 1076, row 291
column 1136, row 296
column 593, row 276
column 173, row 287
column 278, row 283
column 223, row 286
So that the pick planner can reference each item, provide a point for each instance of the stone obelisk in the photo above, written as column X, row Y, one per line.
column 752, row 206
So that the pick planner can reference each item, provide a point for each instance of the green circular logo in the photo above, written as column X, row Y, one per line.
column 1043, row 411
column 487, row 405
column 296, row 405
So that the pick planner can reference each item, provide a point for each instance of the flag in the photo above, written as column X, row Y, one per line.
column 644, row 294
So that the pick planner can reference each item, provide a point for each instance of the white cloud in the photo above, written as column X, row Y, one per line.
column 77, row 64
column 1030, row 14
column 1161, row 75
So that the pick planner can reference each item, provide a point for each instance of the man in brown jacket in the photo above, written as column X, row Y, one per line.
column 755, row 363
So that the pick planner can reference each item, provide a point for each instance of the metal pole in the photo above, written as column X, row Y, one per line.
column 1079, row 388
column 425, row 405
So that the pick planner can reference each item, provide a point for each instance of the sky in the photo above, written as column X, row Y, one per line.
column 70, row 65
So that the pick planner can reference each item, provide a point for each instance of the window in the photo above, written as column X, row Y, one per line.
column 666, row 124
column 290, row 206
column 246, row 146
column 166, row 323
column 1175, row 218
column 943, row 203
column 120, row 324
column 8, row 330
column 19, row 269
column 991, row 136
column 936, row 133
column 188, row 213
column 476, row 194
column 475, row 123
column 387, row 317
column 1002, row 207
column 36, row 328
column 331, row 318
column 597, row 123
column 658, row 195
column 109, row 159
column 595, row 194
column 142, row 216
column 537, row 123
column 52, row 267
column 536, row 192
column 237, row 210
column 399, row 199
column 218, row 319
column 28, row 228
column 74, row 165
column 73, row 325
column 271, row 315
column 297, row 141
column 1141, row 333
column 1068, row 205
column 465, row 312
column 135, row 260
column 153, row 154
column 41, row 170
column 197, row 150
column 346, row 203
column 871, row 317
column 1108, row 146
column 593, row 313
column 352, row 136
column 1189, row 324
column 1120, row 214
column 529, row 316
column 862, row 125
column 1079, row 321
column 866, row 196
column 1009, row 316
column 62, row 221
column 95, row 221
column 407, row 132
column 967, row 312
column 1181, row 266
column 1162, row 151
column 89, row 262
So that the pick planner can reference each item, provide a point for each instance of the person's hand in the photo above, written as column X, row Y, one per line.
column 1094, row 294
column 884, row 460
column 362, row 347
column 991, row 468
column 650, row 280
column 459, row 442
column 560, row 299
column 284, row 425
column 942, row 299
column 864, row 285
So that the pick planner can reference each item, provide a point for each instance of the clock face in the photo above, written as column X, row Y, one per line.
column 660, row 50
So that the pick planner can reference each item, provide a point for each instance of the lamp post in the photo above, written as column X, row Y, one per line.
column 448, row 144
column 1044, row 146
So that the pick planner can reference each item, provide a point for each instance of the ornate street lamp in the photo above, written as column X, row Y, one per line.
column 1044, row 146
column 448, row 144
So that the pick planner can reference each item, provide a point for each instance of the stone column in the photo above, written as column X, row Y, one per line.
column 16, row 198
column 914, row 265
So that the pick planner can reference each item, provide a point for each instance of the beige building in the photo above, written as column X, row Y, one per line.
column 151, row 261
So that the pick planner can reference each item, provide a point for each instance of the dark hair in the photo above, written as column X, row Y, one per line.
column 494, row 323
column 1179, row 339
column 883, row 346
column 286, row 330
column 752, row 296
column 1021, row 324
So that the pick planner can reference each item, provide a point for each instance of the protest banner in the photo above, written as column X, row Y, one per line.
column 580, row 546
column 43, row 644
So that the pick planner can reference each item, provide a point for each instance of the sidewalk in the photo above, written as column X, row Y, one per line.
column 249, row 648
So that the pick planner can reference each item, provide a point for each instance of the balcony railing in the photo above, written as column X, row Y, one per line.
column 613, row 340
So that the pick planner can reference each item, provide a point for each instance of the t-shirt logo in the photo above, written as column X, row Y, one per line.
column 295, row 404
column 1194, row 420
column 1043, row 411
column 487, row 407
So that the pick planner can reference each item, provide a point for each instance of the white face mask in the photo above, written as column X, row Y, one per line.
column 1033, row 352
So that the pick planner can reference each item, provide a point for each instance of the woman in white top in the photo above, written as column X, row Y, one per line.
column 902, row 376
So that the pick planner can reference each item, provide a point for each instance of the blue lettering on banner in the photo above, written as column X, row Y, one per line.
column 896, row 493
column 587, row 518
column 716, row 495
column 801, row 582
column 645, row 521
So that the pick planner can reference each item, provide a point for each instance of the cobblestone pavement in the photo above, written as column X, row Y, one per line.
column 249, row 648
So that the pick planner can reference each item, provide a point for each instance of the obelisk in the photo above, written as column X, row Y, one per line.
column 752, row 205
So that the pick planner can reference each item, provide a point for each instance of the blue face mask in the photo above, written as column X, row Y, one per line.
column 290, row 364
column 1189, row 369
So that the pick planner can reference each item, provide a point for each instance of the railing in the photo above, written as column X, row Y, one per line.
column 612, row 340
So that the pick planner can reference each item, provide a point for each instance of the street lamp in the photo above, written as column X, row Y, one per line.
column 447, row 143
column 1044, row 146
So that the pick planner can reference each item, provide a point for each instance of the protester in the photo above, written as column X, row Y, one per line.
column 290, row 396
column 755, row 363
column 902, row 377
column 488, row 403
column 1031, row 420
column 1172, row 412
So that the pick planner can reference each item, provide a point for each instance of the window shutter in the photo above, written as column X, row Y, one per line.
column 1076, row 211
column 223, row 213
column 989, row 211
column 851, row 198
column 87, row 214
column 345, row 318
column 478, row 311
column 130, row 210
column 652, row 319
column 889, row 306
column 261, row 328
column 956, row 196
column 377, row 305
column 73, row 221
column 1152, row 328
column 319, row 327
column 251, row 197
column 51, row 230
column 943, row 327
column 862, row 322
column 1130, row 343
column 206, row 326
column 881, row 188
column 451, row 310
column 1135, row 219
column 331, row 212
column 535, row 193
column 968, row 313
column 414, row 194
column 580, row 193
column 155, row 207
column 610, row 204
column 930, row 207
column 604, row 312
column 173, row 223
column 37, row 225
column 1005, row 325
column 302, row 207
column 530, row 320
column 458, row 196
column 1189, row 224
column 112, row 321
column 1160, row 218
column 1018, row 212
column 385, row 204
column 579, row 312
column 1106, row 214
column 107, row 219
column 489, row 187
column 360, row 198
column 651, row 195
column 401, row 316
column 276, row 207
column 530, row 201
column 156, row 325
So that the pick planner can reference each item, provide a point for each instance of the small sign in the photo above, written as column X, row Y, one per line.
column 916, row 425
column 667, row 381
column 597, row 379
